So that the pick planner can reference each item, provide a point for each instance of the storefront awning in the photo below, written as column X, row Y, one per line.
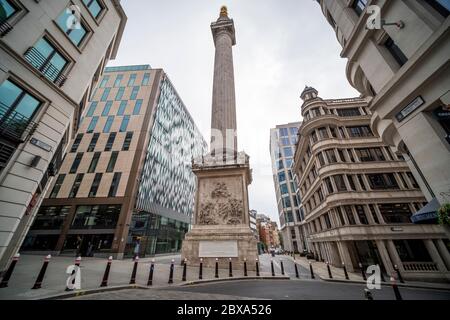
column 427, row 214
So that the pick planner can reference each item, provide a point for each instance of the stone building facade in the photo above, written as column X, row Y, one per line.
column 125, row 186
column 358, row 195
column 52, row 53
column 401, row 63
column 283, row 140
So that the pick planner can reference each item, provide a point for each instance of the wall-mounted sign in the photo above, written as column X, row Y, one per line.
column 410, row 108
column 41, row 144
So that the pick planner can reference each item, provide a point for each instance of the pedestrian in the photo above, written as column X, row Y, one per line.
column 136, row 248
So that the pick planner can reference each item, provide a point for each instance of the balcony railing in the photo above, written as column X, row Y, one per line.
column 420, row 266
column 15, row 126
column 5, row 28
column 37, row 60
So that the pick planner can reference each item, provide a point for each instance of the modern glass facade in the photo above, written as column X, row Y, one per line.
column 165, row 201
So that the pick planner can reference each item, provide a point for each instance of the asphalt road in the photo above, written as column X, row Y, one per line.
column 308, row 290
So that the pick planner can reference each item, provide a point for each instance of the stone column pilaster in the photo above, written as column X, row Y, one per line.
column 435, row 255
column 443, row 252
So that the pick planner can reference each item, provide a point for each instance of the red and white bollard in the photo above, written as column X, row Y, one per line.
column 106, row 274
column 133, row 274
column 40, row 278
column 9, row 272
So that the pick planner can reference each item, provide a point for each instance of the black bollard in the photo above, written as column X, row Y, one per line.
column 150, row 275
column 217, row 268
column 362, row 272
column 282, row 267
column 40, row 278
column 398, row 274
column 184, row 270
column 368, row 294
column 200, row 271
column 345, row 271
column 230, row 269
column 106, row 274
column 133, row 274
column 171, row 272
column 271, row 267
column 245, row 267
column 398, row 296
column 257, row 268
column 329, row 271
column 9, row 272
column 311, row 270
column 296, row 271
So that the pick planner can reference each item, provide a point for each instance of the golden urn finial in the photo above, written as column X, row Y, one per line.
column 223, row 11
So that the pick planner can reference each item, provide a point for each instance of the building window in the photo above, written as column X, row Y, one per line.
column 331, row 156
column 127, row 141
column 288, row 163
column 340, row 183
column 413, row 180
column 341, row 155
column 131, row 80
column 284, row 189
column 395, row 51
column 95, row 185
column 95, row 7
column 124, row 124
column 105, row 94
column 76, row 162
column 146, row 79
column 91, row 109
column 93, row 142
column 114, row 184
column 76, row 31
column 96, row 217
column 112, row 161
column 122, row 107
column 76, row 142
column 76, row 185
column 57, row 186
column 7, row 10
column 360, row 131
column 94, row 162
column 287, row 152
column 17, row 108
column 370, row 154
column 441, row 6
column 92, row 124
column 359, row 6
column 108, row 124
column 120, row 93
column 382, row 181
column 281, row 177
column 118, row 80
column 47, row 59
column 323, row 133
column 107, row 108
column 137, row 107
column 104, row 82
column 329, row 185
column 341, row 216
column 327, row 220
column 110, row 142
column 293, row 131
column 374, row 214
column 395, row 213
column 50, row 218
column 351, row 182
column 321, row 159
column 349, row 112
column 134, row 93
column 361, row 214
column 285, row 141
column 284, row 132
column 361, row 182
column 350, row 216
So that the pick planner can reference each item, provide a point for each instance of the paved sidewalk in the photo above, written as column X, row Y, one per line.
column 320, row 269
column 92, row 270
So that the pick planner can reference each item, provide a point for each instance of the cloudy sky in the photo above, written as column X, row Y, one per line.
column 281, row 46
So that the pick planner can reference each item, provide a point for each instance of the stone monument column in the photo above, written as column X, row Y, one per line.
column 221, row 228
column 223, row 117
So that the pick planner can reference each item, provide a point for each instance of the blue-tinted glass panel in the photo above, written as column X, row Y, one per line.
column 107, row 108
column 9, row 93
column 146, row 79
column 6, row 10
column 104, row 81
column 287, row 152
column 118, row 80
column 94, row 7
column 73, row 28
column 137, row 107
column 92, row 108
column 105, row 94
column 124, row 124
column 281, row 177
column 108, row 124
column 132, row 80
column 92, row 124
column 119, row 94
column 15, row 104
column 122, row 107
column 134, row 93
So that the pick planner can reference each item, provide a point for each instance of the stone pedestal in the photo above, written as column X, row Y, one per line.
column 221, row 227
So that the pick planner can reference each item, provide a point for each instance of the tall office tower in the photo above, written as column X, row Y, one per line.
column 359, row 196
column 126, row 185
column 397, row 55
column 283, row 139
column 52, row 54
